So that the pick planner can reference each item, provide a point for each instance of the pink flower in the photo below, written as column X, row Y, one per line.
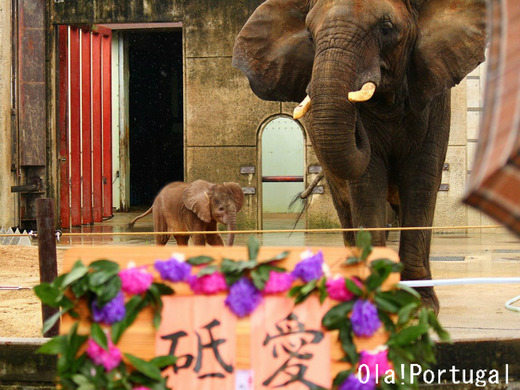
column 374, row 361
column 208, row 284
column 109, row 359
column 338, row 290
column 135, row 280
column 278, row 282
column 140, row 388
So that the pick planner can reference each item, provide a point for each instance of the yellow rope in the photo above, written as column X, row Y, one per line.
column 335, row 230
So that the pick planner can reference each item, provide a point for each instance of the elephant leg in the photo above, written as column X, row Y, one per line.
column 369, row 198
column 419, row 181
column 182, row 240
column 417, row 209
column 213, row 239
column 341, row 199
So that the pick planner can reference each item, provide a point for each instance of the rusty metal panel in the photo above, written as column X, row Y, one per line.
column 116, row 11
column 31, row 52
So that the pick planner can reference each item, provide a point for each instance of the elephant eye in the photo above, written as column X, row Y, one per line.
column 386, row 27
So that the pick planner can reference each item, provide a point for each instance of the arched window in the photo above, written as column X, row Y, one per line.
column 282, row 162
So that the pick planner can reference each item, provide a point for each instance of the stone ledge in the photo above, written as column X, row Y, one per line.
column 21, row 368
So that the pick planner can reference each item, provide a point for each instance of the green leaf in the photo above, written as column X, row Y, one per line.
column 100, row 277
column 278, row 257
column 408, row 335
column 163, row 361
column 208, row 270
column 105, row 265
column 161, row 288
column 353, row 260
column 323, row 290
column 347, row 344
column 294, row 291
column 336, row 315
column 144, row 367
column 80, row 287
column 406, row 313
column 107, row 291
column 258, row 279
column 78, row 271
column 353, row 287
column 435, row 324
column 99, row 336
column 308, row 287
column 253, row 247
column 132, row 308
column 385, row 304
column 410, row 290
column 49, row 323
column 56, row 345
column 48, row 294
column 199, row 260
column 364, row 242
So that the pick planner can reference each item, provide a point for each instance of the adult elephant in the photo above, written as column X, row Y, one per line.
column 375, row 79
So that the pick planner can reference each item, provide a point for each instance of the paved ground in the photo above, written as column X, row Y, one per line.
column 469, row 312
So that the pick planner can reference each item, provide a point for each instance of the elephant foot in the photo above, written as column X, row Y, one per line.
column 429, row 298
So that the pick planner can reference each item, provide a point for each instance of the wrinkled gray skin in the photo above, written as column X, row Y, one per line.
column 414, row 52
column 197, row 206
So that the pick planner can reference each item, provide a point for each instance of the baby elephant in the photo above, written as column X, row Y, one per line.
column 197, row 206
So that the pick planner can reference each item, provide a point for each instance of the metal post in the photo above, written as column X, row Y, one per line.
column 47, row 253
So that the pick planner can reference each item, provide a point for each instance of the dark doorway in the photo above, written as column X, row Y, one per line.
column 155, row 113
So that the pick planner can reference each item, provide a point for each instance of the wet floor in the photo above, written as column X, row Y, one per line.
column 467, row 311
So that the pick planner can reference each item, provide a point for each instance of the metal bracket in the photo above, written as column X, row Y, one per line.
column 249, row 190
column 318, row 190
column 444, row 187
column 315, row 168
column 247, row 170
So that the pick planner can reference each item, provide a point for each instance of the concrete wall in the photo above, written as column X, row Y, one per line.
column 223, row 117
column 7, row 200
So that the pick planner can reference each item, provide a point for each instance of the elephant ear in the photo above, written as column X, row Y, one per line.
column 450, row 44
column 274, row 50
column 236, row 193
column 196, row 198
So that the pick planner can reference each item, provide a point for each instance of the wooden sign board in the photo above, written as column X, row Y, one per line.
column 277, row 343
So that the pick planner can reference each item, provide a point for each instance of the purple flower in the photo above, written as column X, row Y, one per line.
column 113, row 311
column 310, row 268
column 278, row 282
column 355, row 383
column 243, row 297
column 208, row 284
column 173, row 269
column 109, row 359
column 337, row 289
column 364, row 318
column 135, row 280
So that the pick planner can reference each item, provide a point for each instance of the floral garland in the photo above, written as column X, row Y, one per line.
column 115, row 297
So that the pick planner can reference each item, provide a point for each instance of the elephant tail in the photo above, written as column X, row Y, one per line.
column 131, row 224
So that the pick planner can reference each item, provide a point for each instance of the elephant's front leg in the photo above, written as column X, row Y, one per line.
column 418, row 205
column 213, row 239
column 369, row 195
column 341, row 199
column 199, row 238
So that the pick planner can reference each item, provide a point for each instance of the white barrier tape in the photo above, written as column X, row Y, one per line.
column 451, row 282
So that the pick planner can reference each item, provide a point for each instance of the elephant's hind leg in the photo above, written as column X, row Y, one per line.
column 181, row 239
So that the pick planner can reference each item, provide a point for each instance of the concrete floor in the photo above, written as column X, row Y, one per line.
column 468, row 312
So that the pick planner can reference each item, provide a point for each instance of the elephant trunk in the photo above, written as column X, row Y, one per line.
column 335, row 129
column 231, row 226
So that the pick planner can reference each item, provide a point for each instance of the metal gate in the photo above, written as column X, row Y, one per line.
column 85, row 144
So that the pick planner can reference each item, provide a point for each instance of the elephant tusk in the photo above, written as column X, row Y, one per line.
column 364, row 94
column 302, row 108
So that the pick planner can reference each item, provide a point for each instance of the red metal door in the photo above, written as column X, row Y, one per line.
column 84, row 97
